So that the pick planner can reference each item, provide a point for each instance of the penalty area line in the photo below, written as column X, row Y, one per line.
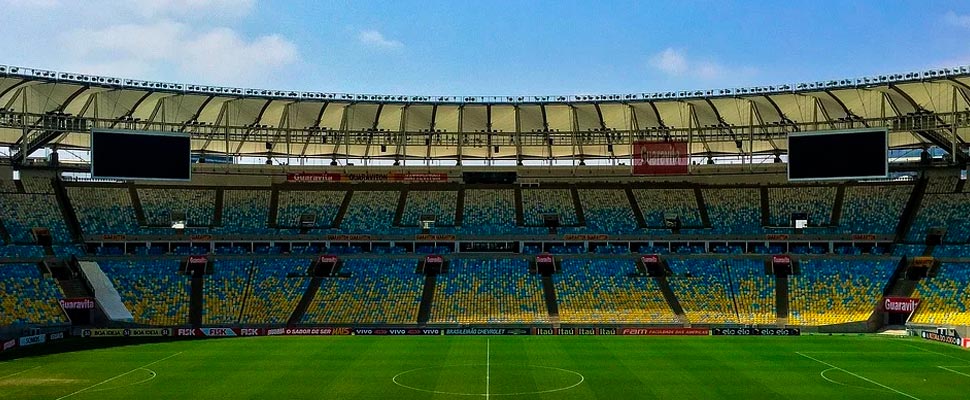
column 858, row 376
column 953, row 371
column 118, row 376
column 18, row 373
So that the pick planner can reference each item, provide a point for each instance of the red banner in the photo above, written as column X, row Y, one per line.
column 307, row 177
column 868, row 237
column 544, row 259
column 781, row 260
column 200, row 238
column 900, row 305
column 660, row 158
column 198, row 260
column 348, row 238
column 79, row 303
column 328, row 259
column 776, row 236
column 416, row 177
column 922, row 262
column 433, row 260
column 10, row 344
column 113, row 238
column 584, row 237
column 665, row 331
column 435, row 238
column 650, row 259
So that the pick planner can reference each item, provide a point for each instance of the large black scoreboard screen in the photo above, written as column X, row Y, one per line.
column 121, row 154
column 841, row 154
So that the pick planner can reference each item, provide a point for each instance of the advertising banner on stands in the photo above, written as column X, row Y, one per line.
column 665, row 331
column 581, row 331
column 756, row 332
column 77, row 303
column 660, row 158
column 130, row 332
column 32, row 340
column 9, row 345
column 397, row 331
column 486, row 331
column 939, row 337
column 309, row 331
column 900, row 305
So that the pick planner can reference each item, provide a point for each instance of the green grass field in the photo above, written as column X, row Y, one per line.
column 442, row 367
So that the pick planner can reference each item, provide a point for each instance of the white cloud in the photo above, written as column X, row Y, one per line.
column 148, row 51
column 675, row 63
column 377, row 39
column 195, row 9
column 670, row 61
column 955, row 19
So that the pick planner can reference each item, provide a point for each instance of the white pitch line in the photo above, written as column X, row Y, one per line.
column 936, row 352
column 488, row 366
column 118, row 376
column 953, row 371
column 18, row 373
column 857, row 376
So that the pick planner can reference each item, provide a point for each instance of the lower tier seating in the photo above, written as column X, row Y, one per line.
column 602, row 291
column 378, row 291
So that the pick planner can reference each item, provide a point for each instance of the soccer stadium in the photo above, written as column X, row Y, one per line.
column 786, row 241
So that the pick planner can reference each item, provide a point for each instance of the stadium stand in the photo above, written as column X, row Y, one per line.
column 378, row 291
column 245, row 212
column 370, row 212
column 734, row 210
column 835, row 291
column 477, row 291
column 702, row 286
column 103, row 210
column 8, row 186
column 656, row 203
column 874, row 209
column 816, row 201
column 489, row 212
column 442, row 204
column 943, row 297
column 538, row 202
column 948, row 211
column 154, row 291
column 603, row 291
column 37, row 185
column 28, row 298
column 753, row 290
column 276, row 288
column 224, row 291
column 323, row 204
column 21, row 251
column 20, row 213
column 942, row 184
column 607, row 210
column 198, row 205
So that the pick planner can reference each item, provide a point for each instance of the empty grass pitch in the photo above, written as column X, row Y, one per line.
column 468, row 367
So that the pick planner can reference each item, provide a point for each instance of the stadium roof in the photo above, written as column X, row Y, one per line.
column 41, row 108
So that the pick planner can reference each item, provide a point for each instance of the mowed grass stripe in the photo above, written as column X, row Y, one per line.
column 613, row 367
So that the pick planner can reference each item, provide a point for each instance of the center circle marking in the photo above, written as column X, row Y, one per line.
column 397, row 382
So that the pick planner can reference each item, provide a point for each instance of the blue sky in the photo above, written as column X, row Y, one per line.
column 484, row 47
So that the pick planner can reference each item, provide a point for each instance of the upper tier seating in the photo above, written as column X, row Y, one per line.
column 223, row 291
column 816, row 201
column 538, row 202
column 103, row 210
column 325, row 204
column 154, row 291
column 702, row 287
column 943, row 298
column 27, row 298
column 439, row 203
column 273, row 296
column 734, row 210
column 942, row 184
column 608, row 211
column 478, row 291
column 489, row 212
column 37, row 184
column 20, row 213
column 245, row 212
column 370, row 212
column 199, row 205
column 602, row 291
column 950, row 211
column 835, row 291
column 378, row 291
column 873, row 209
column 657, row 203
